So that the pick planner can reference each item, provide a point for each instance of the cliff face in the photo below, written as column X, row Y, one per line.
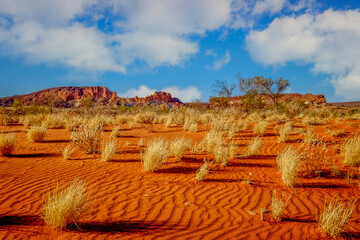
column 74, row 96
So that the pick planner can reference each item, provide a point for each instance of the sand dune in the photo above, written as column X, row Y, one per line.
column 126, row 203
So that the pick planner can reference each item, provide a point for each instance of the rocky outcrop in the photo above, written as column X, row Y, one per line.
column 75, row 96
column 306, row 98
column 157, row 98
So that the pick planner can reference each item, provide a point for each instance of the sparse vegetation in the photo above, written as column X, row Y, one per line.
column 333, row 220
column 178, row 146
column 288, row 162
column 116, row 132
column 155, row 154
column 36, row 133
column 260, row 128
column 285, row 132
column 278, row 205
column 108, row 151
column 65, row 204
column 350, row 151
column 7, row 144
column 203, row 171
column 68, row 150
column 88, row 138
column 253, row 147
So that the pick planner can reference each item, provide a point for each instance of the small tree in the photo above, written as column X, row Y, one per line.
column 250, row 99
column 271, row 88
column 88, row 101
column 222, row 89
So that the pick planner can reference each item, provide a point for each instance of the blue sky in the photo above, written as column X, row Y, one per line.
column 135, row 47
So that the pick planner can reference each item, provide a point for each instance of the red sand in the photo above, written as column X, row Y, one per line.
column 126, row 203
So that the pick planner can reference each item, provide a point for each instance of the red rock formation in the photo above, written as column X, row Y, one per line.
column 73, row 97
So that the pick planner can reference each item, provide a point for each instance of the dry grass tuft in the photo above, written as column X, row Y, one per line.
column 88, row 138
column 285, row 132
column 278, row 205
column 212, row 140
column 334, row 218
column 203, row 171
column 288, row 162
column 64, row 205
column 350, row 150
column 314, row 156
column 155, row 154
column 116, row 132
column 253, row 147
column 68, row 150
column 178, row 146
column 108, row 151
column 36, row 133
column 260, row 128
column 7, row 144
column 221, row 155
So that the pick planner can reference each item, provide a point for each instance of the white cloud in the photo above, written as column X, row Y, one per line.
column 272, row 6
column 329, row 41
column 155, row 49
column 143, row 91
column 75, row 46
column 48, row 12
column 220, row 63
column 153, row 32
column 185, row 95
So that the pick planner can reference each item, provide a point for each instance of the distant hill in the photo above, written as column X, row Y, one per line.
column 308, row 98
column 75, row 96
column 346, row 104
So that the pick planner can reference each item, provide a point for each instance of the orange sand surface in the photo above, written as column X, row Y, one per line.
column 127, row 203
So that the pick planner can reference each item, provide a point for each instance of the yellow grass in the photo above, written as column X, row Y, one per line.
column 334, row 218
column 288, row 162
column 285, row 132
column 350, row 151
column 7, row 144
column 253, row 147
column 68, row 150
column 108, row 151
column 260, row 128
column 155, row 154
column 88, row 138
column 203, row 171
column 278, row 205
column 65, row 205
column 36, row 133
column 178, row 146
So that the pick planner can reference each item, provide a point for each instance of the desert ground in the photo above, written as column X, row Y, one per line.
column 125, row 202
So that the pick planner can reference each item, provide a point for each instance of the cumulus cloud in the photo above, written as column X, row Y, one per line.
column 272, row 6
column 152, row 32
column 220, row 63
column 185, row 95
column 329, row 41
column 75, row 46
column 143, row 91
